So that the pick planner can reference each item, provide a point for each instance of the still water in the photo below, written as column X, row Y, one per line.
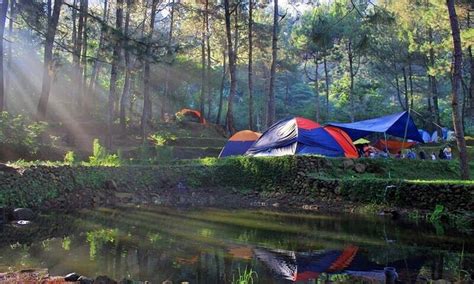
column 217, row 246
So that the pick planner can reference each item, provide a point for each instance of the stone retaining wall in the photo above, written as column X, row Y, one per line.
column 77, row 187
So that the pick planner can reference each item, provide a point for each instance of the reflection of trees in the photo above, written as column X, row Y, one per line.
column 158, row 244
column 98, row 238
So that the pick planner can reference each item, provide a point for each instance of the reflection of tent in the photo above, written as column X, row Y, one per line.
column 305, row 266
column 303, row 136
column 191, row 114
column 398, row 125
column 393, row 146
column 239, row 143
column 361, row 141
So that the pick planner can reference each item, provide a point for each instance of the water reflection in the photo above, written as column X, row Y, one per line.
column 209, row 246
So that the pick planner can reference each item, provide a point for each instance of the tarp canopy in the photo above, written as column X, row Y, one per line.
column 239, row 143
column 299, row 135
column 396, row 125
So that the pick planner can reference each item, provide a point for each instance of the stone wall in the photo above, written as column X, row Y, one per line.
column 308, row 178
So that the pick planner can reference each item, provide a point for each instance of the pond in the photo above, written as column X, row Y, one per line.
column 218, row 246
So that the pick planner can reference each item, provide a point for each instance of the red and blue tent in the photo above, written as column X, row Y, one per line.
column 239, row 143
column 299, row 135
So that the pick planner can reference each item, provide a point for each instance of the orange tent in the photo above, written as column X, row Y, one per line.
column 193, row 114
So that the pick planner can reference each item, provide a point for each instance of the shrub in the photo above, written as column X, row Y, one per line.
column 20, row 131
column 100, row 156
column 70, row 158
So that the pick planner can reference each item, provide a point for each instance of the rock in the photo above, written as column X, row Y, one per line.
column 167, row 282
column 72, row 277
column 104, row 280
column 85, row 280
column 122, row 195
column 360, row 168
column 23, row 214
column 3, row 216
column 348, row 164
column 111, row 185
column 7, row 169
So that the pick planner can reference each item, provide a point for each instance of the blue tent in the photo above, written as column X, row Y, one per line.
column 398, row 125
column 425, row 136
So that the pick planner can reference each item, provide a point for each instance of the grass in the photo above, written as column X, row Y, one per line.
column 247, row 276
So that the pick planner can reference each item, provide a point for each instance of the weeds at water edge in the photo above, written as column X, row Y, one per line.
column 248, row 276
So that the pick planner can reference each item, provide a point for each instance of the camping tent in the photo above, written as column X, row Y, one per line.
column 299, row 135
column 239, row 143
column 393, row 146
column 425, row 135
column 398, row 125
column 191, row 114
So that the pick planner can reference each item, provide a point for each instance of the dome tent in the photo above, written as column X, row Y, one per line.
column 239, row 143
column 299, row 135
column 191, row 115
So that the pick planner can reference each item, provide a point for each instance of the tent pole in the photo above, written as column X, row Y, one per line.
column 386, row 145
column 406, row 129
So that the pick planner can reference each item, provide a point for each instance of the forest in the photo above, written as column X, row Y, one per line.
column 243, row 64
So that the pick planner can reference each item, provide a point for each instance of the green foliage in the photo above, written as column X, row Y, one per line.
column 248, row 276
column 437, row 213
column 20, row 131
column 70, row 158
column 161, row 138
column 98, row 238
column 100, row 156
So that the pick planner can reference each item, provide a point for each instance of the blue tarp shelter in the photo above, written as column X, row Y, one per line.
column 398, row 125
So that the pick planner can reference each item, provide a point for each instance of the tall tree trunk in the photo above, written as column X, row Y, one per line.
column 147, row 107
column 96, row 65
column 208, row 67
column 48, row 60
column 221, row 91
column 399, row 95
column 410, row 79
column 434, row 84
column 166, row 99
column 316, row 91
column 250, row 65
column 271, row 92
column 232, row 69
column 128, row 69
column 9, row 53
column 114, row 73
column 405, row 84
column 83, row 92
column 471, row 61
column 351, row 74
column 326, row 79
column 471, row 84
column 77, row 55
column 3, row 17
column 456, row 86
column 203, row 68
